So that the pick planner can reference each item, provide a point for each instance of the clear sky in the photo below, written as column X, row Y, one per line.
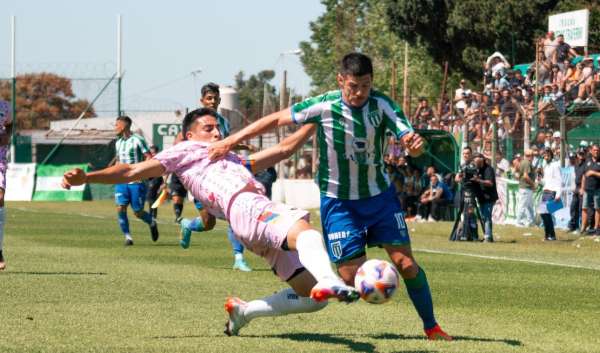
column 164, row 42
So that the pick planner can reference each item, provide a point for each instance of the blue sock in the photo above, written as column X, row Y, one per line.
column 123, row 221
column 144, row 216
column 420, row 295
column 196, row 224
column 237, row 247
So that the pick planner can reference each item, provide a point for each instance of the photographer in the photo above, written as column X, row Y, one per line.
column 466, row 200
column 487, row 195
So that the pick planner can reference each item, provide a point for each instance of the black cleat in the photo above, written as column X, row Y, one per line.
column 128, row 242
column 154, row 230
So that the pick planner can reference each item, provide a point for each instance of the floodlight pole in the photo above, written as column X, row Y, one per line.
column 13, row 99
column 119, row 64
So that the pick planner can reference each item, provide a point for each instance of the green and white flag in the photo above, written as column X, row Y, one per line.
column 47, row 185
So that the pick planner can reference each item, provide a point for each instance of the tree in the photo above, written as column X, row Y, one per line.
column 251, row 93
column 360, row 25
column 44, row 97
column 466, row 32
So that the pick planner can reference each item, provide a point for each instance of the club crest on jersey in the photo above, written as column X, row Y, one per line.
column 374, row 118
column 336, row 249
column 267, row 217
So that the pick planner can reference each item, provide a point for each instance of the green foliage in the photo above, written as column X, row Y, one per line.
column 360, row 25
column 466, row 32
column 251, row 93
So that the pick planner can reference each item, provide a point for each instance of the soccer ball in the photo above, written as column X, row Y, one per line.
column 376, row 281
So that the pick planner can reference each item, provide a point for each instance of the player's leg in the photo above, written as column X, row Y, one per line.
column 122, row 199
column 2, row 218
column 239, row 263
column 294, row 300
column 138, row 194
column 178, row 195
column 151, row 197
column 202, row 223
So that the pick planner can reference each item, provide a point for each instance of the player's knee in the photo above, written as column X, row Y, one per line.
column 209, row 222
column 139, row 213
column 121, row 208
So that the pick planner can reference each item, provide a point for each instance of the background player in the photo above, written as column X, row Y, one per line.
column 277, row 232
column 5, row 133
column 131, row 148
column 358, row 205
column 155, row 187
column 211, row 98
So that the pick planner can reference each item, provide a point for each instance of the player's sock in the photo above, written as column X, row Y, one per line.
column 283, row 302
column 196, row 224
column 128, row 236
column 178, row 209
column 237, row 247
column 419, row 293
column 2, row 216
column 123, row 222
column 144, row 216
column 313, row 255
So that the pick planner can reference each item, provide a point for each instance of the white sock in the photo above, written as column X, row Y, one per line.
column 128, row 236
column 313, row 255
column 283, row 302
column 2, row 215
column 238, row 256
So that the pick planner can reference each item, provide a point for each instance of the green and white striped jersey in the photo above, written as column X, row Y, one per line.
column 131, row 150
column 351, row 142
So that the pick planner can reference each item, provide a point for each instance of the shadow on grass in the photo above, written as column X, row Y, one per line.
column 346, row 339
column 41, row 273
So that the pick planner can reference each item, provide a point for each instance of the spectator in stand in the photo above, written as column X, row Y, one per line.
column 510, row 114
column 558, row 98
column 557, row 76
column 525, row 215
column 549, row 45
column 544, row 104
column 586, row 82
column 423, row 114
column 460, row 96
column 436, row 195
column 500, row 83
column 552, row 183
column 590, row 188
column 496, row 63
column 445, row 108
column 555, row 145
column 563, row 51
column 502, row 164
column 518, row 80
column 577, row 200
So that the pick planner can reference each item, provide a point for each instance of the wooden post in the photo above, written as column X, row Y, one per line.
column 444, row 80
column 264, row 113
column 282, row 105
column 535, row 89
column 394, row 83
column 563, row 141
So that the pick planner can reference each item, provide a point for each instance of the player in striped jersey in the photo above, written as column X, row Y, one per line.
column 131, row 149
column 211, row 98
column 358, row 204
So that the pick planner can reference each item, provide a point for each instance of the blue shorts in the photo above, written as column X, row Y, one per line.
column 134, row 194
column 350, row 225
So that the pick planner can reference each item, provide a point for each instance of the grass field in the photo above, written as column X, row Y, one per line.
column 71, row 286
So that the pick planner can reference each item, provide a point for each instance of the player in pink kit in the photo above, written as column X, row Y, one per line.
column 5, row 130
column 279, row 233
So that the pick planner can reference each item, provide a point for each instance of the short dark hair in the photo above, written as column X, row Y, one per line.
column 125, row 119
column 356, row 64
column 468, row 148
column 191, row 117
column 210, row 87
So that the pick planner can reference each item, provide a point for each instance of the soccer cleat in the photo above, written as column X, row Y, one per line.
column 128, row 242
column 334, row 289
column 154, row 230
column 185, row 234
column 437, row 334
column 178, row 219
column 2, row 262
column 240, row 264
column 235, row 308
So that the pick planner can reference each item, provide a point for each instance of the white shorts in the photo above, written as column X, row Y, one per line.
column 262, row 225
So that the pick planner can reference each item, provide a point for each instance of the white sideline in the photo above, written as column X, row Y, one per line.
column 505, row 258
column 428, row 251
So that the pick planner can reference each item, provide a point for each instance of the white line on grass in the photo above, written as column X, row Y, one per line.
column 505, row 258
column 430, row 251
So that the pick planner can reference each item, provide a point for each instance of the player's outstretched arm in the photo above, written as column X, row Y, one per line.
column 284, row 149
column 262, row 125
column 118, row 174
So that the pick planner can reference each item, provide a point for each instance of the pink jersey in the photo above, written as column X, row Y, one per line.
column 214, row 183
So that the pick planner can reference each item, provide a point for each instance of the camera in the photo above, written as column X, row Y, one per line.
column 468, row 171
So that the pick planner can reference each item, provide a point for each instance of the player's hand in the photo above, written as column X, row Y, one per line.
column 414, row 144
column 74, row 177
column 218, row 149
